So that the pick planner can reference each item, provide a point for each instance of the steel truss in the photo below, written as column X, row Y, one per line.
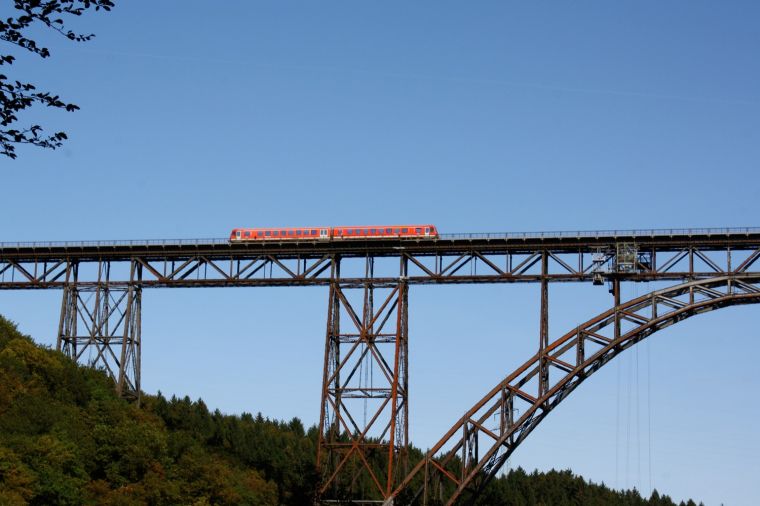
column 100, row 325
column 477, row 445
column 364, row 435
column 430, row 262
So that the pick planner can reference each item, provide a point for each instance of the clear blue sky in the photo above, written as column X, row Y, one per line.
column 495, row 116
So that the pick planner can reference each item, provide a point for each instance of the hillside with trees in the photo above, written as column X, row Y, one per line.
column 66, row 438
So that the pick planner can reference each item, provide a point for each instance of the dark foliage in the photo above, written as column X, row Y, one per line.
column 65, row 438
column 15, row 95
column 562, row 488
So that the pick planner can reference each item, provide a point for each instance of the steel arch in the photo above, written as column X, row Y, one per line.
column 455, row 465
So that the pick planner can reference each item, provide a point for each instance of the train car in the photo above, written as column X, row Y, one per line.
column 385, row 231
column 280, row 234
column 334, row 233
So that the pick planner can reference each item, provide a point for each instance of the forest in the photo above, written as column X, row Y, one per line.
column 66, row 438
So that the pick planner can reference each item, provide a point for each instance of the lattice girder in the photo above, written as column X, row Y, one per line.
column 364, row 410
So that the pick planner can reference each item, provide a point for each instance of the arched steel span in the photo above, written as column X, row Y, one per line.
column 457, row 468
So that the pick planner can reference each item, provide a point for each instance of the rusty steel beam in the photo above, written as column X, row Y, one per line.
column 624, row 261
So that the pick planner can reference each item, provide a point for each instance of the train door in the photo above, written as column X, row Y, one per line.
column 323, row 233
column 427, row 231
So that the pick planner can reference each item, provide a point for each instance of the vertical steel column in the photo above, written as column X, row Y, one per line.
column 329, row 415
column 544, row 326
column 96, row 320
column 128, row 383
column 616, row 296
column 399, row 430
column 363, row 440
column 67, row 325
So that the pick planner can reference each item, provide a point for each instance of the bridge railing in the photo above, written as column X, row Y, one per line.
column 107, row 243
column 657, row 232
column 561, row 234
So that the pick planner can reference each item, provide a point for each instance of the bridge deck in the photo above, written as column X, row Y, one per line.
column 449, row 244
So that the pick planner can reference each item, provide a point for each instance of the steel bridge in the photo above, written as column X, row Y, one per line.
column 368, row 307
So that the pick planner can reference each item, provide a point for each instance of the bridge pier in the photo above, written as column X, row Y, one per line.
column 100, row 325
column 364, row 434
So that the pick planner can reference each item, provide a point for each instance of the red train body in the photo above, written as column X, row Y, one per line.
column 334, row 233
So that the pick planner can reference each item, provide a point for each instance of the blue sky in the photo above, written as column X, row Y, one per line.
column 500, row 116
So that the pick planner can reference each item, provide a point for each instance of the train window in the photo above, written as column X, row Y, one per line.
column 276, row 233
column 388, row 230
column 418, row 230
column 395, row 231
column 349, row 231
column 372, row 231
column 290, row 232
column 404, row 230
column 313, row 232
column 248, row 234
column 268, row 233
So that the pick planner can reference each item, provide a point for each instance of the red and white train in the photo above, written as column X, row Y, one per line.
column 334, row 233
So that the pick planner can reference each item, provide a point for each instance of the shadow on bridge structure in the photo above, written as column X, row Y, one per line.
column 366, row 341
